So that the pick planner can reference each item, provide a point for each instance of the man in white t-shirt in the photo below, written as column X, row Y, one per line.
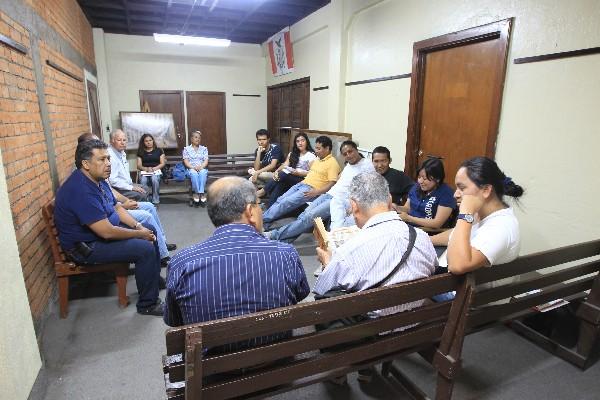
column 335, row 203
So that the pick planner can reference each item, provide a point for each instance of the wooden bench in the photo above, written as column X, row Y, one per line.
column 65, row 268
column 219, row 165
column 297, row 362
column 438, row 337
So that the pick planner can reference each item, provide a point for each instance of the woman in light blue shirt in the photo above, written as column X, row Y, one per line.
column 195, row 159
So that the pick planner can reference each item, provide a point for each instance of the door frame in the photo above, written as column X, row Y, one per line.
column 224, row 122
column 496, row 30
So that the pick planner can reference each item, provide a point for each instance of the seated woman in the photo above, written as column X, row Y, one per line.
column 430, row 201
column 195, row 159
column 292, row 171
column 487, row 231
column 150, row 161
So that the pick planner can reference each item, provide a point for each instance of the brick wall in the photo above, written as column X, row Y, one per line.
column 67, row 18
column 67, row 108
column 26, row 163
column 22, row 138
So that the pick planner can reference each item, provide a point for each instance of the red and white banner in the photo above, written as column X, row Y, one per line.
column 280, row 52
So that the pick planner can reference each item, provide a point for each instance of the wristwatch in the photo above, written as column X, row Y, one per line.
column 466, row 217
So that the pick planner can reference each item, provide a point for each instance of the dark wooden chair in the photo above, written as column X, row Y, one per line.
column 65, row 268
column 191, row 373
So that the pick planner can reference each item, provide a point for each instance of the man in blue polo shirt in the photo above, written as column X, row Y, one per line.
column 94, row 229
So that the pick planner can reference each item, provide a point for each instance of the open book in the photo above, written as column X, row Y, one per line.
column 335, row 238
column 157, row 172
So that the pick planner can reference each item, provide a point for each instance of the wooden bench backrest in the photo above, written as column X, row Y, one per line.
column 578, row 267
column 185, row 344
column 48, row 213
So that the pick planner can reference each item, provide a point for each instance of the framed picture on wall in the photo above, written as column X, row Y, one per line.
column 160, row 125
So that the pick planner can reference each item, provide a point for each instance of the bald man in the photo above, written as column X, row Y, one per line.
column 236, row 270
column 120, row 178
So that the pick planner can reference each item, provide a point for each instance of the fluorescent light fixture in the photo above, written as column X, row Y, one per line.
column 195, row 40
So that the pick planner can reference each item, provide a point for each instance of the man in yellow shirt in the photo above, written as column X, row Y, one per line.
column 323, row 174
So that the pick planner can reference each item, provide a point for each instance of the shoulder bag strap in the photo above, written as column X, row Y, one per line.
column 412, row 236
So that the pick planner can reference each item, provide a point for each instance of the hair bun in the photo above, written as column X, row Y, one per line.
column 512, row 189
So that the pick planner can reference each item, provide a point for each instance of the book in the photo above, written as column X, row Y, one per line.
column 157, row 172
column 321, row 234
column 335, row 238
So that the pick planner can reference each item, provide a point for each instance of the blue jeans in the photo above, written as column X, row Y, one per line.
column 152, row 184
column 198, row 179
column 340, row 213
column 142, row 253
column 288, row 202
column 147, row 214
column 290, row 232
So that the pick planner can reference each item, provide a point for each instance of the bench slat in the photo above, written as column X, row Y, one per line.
column 237, row 329
column 500, row 312
column 538, row 282
column 539, row 260
column 313, row 341
column 324, row 362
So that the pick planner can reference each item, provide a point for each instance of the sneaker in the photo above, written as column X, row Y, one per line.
column 164, row 262
column 366, row 375
column 171, row 246
column 157, row 309
column 318, row 271
column 267, row 235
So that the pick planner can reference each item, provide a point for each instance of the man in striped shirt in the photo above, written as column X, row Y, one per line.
column 368, row 257
column 236, row 270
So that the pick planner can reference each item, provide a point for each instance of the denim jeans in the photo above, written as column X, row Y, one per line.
column 142, row 253
column 290, row 232
column 198, row 179
column 288, row 202
column 147, row 214
column 152, row 184
column 340, row 213
column 275, row 189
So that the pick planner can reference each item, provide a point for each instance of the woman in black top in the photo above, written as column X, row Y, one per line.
column 150, row 161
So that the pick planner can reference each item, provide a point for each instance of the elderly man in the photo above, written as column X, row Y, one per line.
column 335, row 203
column 366, row 259
column 94, row 229
column 236, row 270
column 120, row 178
column 143, row 212
column 399, row 183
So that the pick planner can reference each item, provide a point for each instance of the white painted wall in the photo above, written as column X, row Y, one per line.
column 135, row 63
column 549, row 132
column 19, row 354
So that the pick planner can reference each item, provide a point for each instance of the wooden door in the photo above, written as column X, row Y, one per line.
column 94, row 110
column 206, row 113
column 287, row 106
column 456, row 95
column 167, row 101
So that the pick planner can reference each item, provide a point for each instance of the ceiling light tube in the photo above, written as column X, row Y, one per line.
column 195, row 40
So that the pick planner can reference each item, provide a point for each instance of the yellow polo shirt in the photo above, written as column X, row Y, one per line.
column 322, row 172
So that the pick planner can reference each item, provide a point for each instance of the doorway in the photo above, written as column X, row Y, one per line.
column 206, row 113
column 455, row 97
column 287, row 107
column 167, row 101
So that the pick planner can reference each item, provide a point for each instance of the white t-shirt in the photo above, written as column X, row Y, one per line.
column 496, row 236
column 340, row 189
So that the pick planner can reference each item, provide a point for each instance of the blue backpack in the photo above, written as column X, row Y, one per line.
column 179, row 172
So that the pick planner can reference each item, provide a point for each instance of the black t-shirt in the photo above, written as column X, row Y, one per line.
column 399, row 183
column 151, row 158
column 273, row 152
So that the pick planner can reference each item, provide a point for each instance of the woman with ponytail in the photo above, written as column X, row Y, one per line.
column 487, row 231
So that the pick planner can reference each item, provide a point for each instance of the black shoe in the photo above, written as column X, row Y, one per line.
column 171, row 246
column 157, row 309
column 162, row 284
column 164, row 262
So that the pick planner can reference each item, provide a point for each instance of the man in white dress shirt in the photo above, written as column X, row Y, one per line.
column 120, row 178
column 369, row 256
